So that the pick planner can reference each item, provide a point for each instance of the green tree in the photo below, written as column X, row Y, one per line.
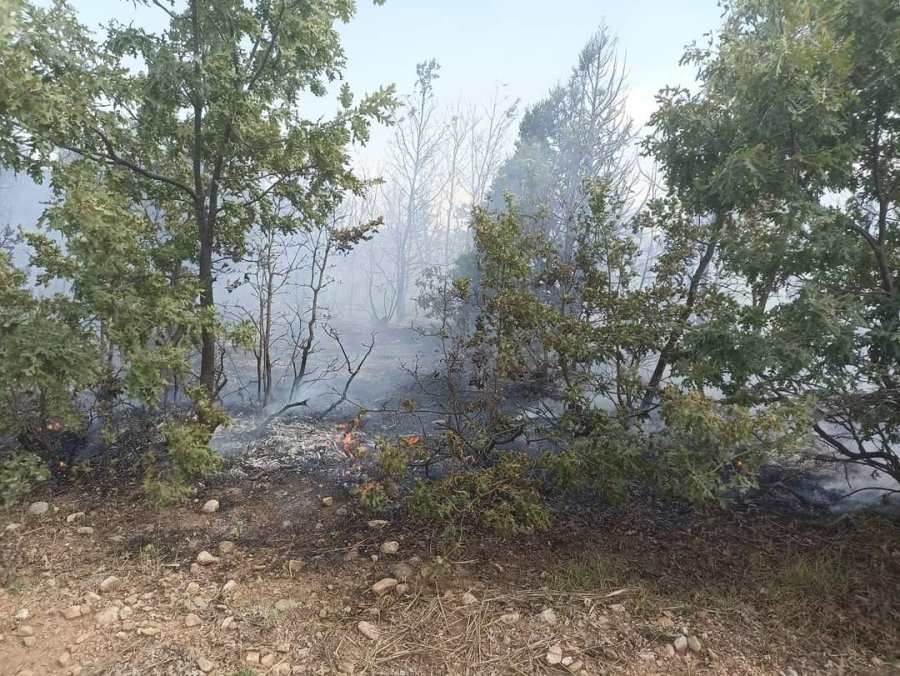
column 790, row 145
column 197, row 128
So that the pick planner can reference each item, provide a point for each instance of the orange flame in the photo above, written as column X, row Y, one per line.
column 410, row 441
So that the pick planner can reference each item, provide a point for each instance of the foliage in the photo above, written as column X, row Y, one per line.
column 500, row 498
column 19, row 473
column 793, row 133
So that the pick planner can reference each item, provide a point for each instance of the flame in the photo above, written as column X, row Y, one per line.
column 410, row 441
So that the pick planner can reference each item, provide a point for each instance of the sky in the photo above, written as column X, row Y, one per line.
column 525, row 46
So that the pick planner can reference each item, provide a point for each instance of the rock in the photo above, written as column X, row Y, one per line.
column 267, row 660
column 210, row 506
column 694, row 644
column 548, row 616
column 229, row 587
column 469, row 599
column 382, row 587
column 402, row 571
column 252, row 657
column 284, row 605
column 378, row 524
column 204, row 664
column 401, row 589
column 30, row 641
column 64, row 660
column 390, row 547
column 647, row 655
column 204, row 558
column 38, row 508
column 294, row 566
column 566, row 661
column 351, row 555
column 617, row 608
column 125, row 612
column 680, row 644
column 149, row 631
column 192, row 588
column 192, row 620
column 85, row 530
column 74, row 517
column 668, row 651
column 200, row 602
column 12, row 526
column 342, row 511
column 281, row 669
column 510, row 618
column 327, row 502
column 576, row 666
column 107, row 616
column 283, row 648
column 23, row 614
column 227, row 622
column 369, row 630
column 111, row 584
column 72, row 612
column 303, row 653
column 554, row 655
column 665, row 623
column 196, row 568
column 226, row 547
column 25, row 630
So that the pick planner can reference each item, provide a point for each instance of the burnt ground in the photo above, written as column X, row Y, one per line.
column 758, row 591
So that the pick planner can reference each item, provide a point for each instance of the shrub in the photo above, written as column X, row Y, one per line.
column 19, row 474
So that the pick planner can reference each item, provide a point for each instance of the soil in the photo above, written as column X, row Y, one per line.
column 755, row 591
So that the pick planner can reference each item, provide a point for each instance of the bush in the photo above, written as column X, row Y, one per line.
column 19, row 474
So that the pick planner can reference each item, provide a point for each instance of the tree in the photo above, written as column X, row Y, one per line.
column 790, row 148
column 204, row 132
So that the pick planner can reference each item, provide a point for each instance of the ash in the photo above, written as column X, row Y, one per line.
column 290, row 444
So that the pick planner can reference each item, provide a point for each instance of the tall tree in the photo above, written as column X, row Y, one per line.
column 199, row 125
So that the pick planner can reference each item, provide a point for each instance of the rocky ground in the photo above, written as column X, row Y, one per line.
column 281, row 574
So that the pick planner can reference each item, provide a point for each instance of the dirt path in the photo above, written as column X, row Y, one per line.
column 112, row 587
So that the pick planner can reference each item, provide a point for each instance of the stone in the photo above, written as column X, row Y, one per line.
column 647, row 655
column 30, row 641
column 204, row 558
column 210, row 506
column 229, row 587
column 566, row 661
column 64, row 660
column 576, row 666
column 548, row 616
column 85, row 530
column 377, row 524
column 125, row 612
column 284, row 605
column 469, row 599
column 107, row 616
column 227, row 622
column 384, row 586
column 12, row 527
column 554, row 655
column 617, row 608
column 680, row 644
column 267, row 660
column 665, row 623
column 192, row 620
column 369, row 630
column 26, row 630
column 668, row 651
column 38, row 508
column 149, row 631
column 510, row 618
column 327, row 501
column 390, row 547
column 23, row 614
column 401, row 589
column 294, row 566
column 402, row 572
column 280, row 669
column 342, row 511
column 74, row 517
column 205, row 665
column 252, row 657
column 72, row 612
column 226, row 547
column 694, row 644
column 111, row 584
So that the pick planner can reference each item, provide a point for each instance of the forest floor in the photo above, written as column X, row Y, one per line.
column 107, row 584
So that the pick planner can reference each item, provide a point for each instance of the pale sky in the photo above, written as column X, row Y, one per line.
column 526, row 45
